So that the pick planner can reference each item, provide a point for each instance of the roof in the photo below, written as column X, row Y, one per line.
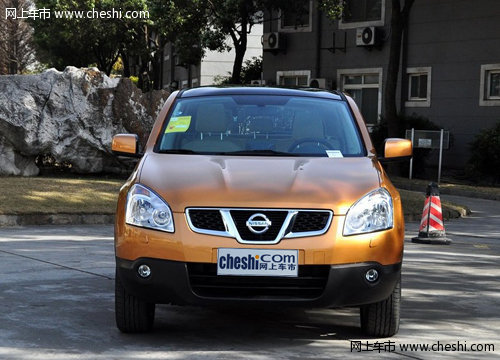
column 254, row 90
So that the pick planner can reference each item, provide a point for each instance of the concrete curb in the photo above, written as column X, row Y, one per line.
column 56, row 219
column 447, row 214
column 447, row 191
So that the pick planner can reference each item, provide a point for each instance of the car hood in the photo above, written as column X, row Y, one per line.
column 259, row 182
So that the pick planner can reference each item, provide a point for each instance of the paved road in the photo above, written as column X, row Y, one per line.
column 56, row 292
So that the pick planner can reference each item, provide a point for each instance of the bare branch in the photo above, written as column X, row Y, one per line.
column 16, row 48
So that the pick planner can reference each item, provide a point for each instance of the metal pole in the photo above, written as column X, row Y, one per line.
column 411, row 159
column 440, row 155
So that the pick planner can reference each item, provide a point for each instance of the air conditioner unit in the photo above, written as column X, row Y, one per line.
column 318, row 83
column 273, row 41
column 258, row 82
column 365, row 36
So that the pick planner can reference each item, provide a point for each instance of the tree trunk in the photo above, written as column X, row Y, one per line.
column 399, row 22
column 238, row 64
column 103, row 63
column 156, row 70
column 126, row 65
column 240, row 47
column 143, row 75
column 391, row 112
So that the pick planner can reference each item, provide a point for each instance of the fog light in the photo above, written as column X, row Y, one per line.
column 371, row 275
column 144, row 271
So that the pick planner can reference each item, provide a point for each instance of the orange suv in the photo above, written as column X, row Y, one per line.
column 259, row 196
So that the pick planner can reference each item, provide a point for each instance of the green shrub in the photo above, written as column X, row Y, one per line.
column 251, row 70
column 135, row 80
column 484, row 162
column 221, row 80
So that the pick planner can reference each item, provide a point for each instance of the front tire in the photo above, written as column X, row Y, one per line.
column 381, row 319
column 132, row 314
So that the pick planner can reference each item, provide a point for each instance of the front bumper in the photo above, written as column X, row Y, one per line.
column 336, row 285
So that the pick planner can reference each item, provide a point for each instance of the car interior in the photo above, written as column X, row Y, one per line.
column 299, row 126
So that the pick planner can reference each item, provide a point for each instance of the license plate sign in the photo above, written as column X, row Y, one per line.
column 257, row 262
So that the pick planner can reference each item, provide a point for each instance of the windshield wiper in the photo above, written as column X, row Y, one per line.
column 259, row 152
column 256, row 152
column 177, row 151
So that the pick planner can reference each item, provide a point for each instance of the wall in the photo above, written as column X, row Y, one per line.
column 454, row 38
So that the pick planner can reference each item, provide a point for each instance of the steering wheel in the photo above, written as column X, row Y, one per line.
column 315, row 141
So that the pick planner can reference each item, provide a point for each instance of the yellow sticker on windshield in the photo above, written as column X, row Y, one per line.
column 178, row 124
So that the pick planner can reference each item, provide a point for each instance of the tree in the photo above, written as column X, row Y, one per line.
column 16, row 48
column 63, row 41
column 180, row 22
column 84, row 40
column 235, row 18
column 251, row 70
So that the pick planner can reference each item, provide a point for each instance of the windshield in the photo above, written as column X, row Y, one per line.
column 261, row 125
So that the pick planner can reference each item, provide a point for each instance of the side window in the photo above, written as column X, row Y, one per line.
column 293, row 78
column 364, row 85
column 291, row 21
column 360, row 13
column 490, row 85
column 493, row 87
column 419, row 87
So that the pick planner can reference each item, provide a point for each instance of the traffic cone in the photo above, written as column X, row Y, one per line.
column 431, row 227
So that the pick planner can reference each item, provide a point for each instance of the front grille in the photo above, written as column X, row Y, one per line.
column 240, row 218
column 307, row 221
column 232, row 222
column 310, row 283
column 207, row 219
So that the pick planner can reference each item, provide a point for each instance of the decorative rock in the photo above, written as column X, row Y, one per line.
column 71, row 115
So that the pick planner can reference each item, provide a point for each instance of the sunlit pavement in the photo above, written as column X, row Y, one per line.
column 56, row 291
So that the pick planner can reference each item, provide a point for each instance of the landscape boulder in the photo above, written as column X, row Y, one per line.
column 71, row 117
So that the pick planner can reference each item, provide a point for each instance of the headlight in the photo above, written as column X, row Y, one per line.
column 146, row 209
column 373, row 212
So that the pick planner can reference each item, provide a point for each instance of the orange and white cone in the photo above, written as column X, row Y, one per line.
column 432, row 227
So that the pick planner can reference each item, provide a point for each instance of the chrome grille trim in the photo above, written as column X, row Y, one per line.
column 284, row 233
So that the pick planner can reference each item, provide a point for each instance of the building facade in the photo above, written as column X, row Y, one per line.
column 450, row 67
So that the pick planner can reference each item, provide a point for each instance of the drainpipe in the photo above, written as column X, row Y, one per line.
column 172, row 64
column 317, row 68
column 404, row 65
column 160, row 75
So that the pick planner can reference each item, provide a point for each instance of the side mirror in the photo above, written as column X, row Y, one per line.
column 126, row 145
column 397, row 149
